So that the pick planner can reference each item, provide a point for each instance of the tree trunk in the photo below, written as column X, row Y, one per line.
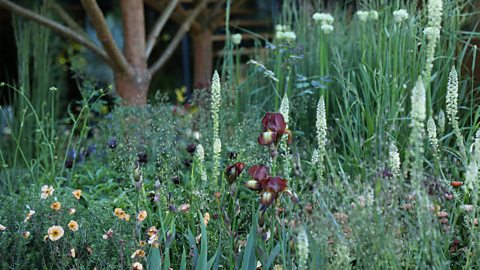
column 203, row 58
column 134, row 89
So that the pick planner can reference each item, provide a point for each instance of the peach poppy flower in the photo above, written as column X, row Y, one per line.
column 77, row 193
column 29, row 215
column 142, row 215
column 55, row 233
column 138, row 253
column 137, row 266
column 56, row 206
column 47, row 191
column 73, row 225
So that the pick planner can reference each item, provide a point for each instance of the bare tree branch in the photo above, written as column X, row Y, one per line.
column 179, row 16
column 178, row 37
column 56, row 27
column 220, row 18
column 159, row 24
column 216, row 10
column 63, row 15
column 118, row 60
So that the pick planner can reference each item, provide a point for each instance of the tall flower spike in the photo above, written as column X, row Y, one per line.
column 418, row 115
column 394, row 160
column 302, row 247
column 432, row 32
column 452, row 97
column 215, row 109
column 321, row 125
column 452, row 110
column 432, row 134
column 200, row 154
column 284, row 110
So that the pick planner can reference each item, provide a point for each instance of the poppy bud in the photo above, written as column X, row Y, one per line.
column 137, row 174
column 456, row 184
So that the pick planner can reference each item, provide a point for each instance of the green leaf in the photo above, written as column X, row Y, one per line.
column 183, row 263
column 249, row 260
column 154, row 260
column 273, row 254
column 166, row 264
column 191, row 241
column 202, row 262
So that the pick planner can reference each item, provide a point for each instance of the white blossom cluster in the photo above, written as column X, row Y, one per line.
column 283, row 32
column 400, row 15
column 364, row 16
column 236, row 39
column 325, row 20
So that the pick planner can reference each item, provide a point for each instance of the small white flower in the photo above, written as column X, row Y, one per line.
column 400, row 15
column 289, row 35
column 279, row 28
column 323, row 18
column 467, row 207
column 362, row 15
column 373, row 15
column 236, row 39
column 327, row 28
column 279, row 35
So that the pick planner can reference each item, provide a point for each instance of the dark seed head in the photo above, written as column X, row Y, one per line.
column 69, row 163
column 112, row 143
column 142, row 158
column 191, row 148
column 187, row 162
column 176, row 179
column 232, row 155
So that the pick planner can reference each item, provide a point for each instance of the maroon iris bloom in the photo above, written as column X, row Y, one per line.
column 269, row 187
column 233, row 171
column 258, row 172
column 274, row 127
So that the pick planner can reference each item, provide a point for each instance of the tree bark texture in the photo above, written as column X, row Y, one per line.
column 202, row 58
